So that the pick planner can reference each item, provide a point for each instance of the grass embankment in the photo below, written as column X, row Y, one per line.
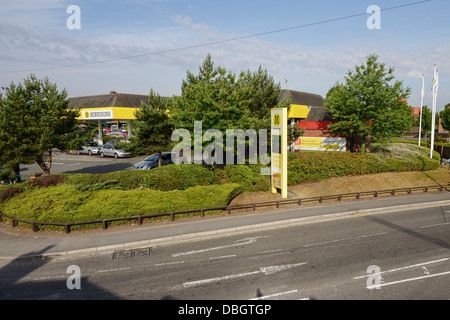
column 85, row 197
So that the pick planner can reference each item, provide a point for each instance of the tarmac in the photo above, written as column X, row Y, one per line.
column 22, row 243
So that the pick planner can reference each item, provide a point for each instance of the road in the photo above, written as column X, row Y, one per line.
column 74, row 163
column 384, row 256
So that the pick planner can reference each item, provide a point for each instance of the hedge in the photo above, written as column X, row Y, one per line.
column 65, row 204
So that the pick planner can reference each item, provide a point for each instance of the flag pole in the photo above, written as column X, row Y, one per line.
column 433, row 115
column 421, row 107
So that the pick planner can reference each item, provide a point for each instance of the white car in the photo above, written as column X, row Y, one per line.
column 108, row 150
column 90, row 149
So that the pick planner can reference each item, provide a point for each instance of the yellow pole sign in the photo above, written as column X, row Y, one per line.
column 279, row 151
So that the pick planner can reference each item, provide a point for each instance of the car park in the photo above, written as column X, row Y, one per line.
column 109, row 150
column 90, row 149
column 152, row 161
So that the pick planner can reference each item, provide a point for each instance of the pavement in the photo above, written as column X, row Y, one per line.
column 20, row 243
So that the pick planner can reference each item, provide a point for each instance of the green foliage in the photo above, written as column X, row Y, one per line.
column 170, row 177
column 34, row 119
column 65, row 204
column 445, row 117
column 9, row 192
column 368, row 103
column 153, row 127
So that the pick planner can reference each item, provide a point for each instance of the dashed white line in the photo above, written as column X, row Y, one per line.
column 407, row 280
column 237, row 243
column 265, row 270
column 112, row 270
column 168, row 263
column 407, row 267
column 344, row 239
column 275, row 295
column 223, row 257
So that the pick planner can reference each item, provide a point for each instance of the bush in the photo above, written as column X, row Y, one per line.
column 65, row 204
column 8, row 193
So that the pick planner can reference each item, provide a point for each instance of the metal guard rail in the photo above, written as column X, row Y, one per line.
column 277, row 203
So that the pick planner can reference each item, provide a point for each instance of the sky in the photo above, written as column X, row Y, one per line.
column 137, row 45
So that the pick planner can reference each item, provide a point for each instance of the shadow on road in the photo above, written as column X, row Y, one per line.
column 14, row 286
column 104, row 168
column 436, row 241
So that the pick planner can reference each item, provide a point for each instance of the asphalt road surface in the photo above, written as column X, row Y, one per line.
column 74, row 163
column 388, row 256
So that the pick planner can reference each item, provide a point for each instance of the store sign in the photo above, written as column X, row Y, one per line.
column 279, row 151
column 97, row 114
column 320, row 144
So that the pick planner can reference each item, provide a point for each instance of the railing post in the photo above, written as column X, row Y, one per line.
column 34, row 227
column 299, row 202
column 140, row 220
column 202, row 213
column 104, row 224
column 67, row 228
column 172, row 216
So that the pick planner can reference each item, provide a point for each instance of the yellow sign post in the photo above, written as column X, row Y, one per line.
column 279, row 151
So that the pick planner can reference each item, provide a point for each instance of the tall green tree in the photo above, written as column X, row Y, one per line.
column 35, row 120
column 445, row 117
column 153, row 127
column 369, row 103
column 222, row 100
column 426, row 120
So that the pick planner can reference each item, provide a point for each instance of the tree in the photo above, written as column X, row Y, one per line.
column 222, row 100
column 34, row 120
column 154, row 128
column 426, row 120
column 369, row 104
column 445, row 117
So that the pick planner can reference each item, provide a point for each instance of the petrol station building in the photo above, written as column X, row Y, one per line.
column 113, row 110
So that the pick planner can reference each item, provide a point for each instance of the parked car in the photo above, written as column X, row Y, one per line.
column 152, row 161
column 108, row 150
column 90, row 149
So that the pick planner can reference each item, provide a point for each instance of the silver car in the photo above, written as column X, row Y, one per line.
column 108, row 150
column 90, row 149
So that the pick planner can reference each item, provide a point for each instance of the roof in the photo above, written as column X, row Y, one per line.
column 113, row 99
column 319, row 114
column 302, row 98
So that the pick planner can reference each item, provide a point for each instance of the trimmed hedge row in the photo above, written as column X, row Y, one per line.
column 65, row 204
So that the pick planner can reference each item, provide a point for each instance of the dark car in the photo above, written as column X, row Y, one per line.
column 152, row 161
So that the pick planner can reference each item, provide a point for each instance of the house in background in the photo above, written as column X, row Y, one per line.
column 112, row 111
column 307, row 111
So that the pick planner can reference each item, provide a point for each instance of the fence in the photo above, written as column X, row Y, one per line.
column 228, row 209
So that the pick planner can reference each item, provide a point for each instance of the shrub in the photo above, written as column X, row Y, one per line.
column 8, row 193
column 65, row 204
column 46, row 181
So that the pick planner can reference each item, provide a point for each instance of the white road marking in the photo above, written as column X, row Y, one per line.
column 265, row 270
column 223, row 257
column 112, row 270
column 271, row 251
column 435, row 225
column 344, row 239
column 168, row 263
column 407, row 280
column 275, row 295
column 404, row 268
column 237, row 243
